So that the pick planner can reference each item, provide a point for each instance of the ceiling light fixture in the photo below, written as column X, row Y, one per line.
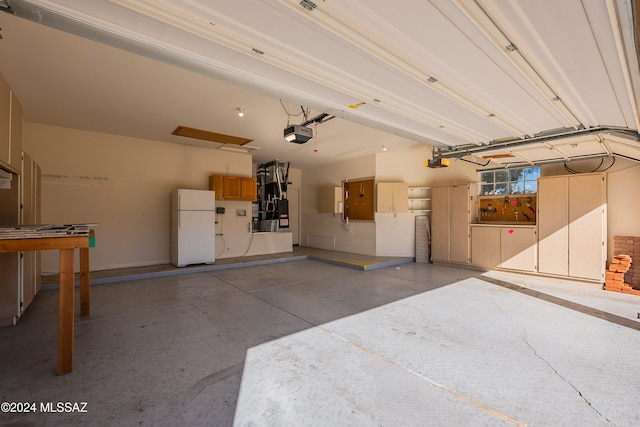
column 240, row 111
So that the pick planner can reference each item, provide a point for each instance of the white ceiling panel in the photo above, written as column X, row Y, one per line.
column 444, row 73
column 622, row 146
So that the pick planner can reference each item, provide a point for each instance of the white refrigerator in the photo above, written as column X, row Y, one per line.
column 193, row 230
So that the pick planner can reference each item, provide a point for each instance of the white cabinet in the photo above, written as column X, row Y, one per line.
column 572, row 226
column 392, row 197
column 453, row 210
column 15, row 140
column 5, row 122
column 30, row 185
column 10, row 129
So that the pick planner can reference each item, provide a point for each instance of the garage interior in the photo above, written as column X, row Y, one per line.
column 422, row 214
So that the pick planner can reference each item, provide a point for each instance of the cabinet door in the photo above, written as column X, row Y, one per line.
column 384, row 197
column 485, row 246
column 9, row 262
column 553, row 225
column 518, row 248
column 587, row 226
column 216, row 184
column 231, row 187
column 400, row 197
column 248, row 189
column 15, row 142
column 459, row 223
column 29, row 286
column 5, row 123
column 440, row 223
column 392, row 197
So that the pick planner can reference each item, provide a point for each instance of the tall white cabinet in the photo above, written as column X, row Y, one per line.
column 19, row 204
column 453, row 209
column 572, row 232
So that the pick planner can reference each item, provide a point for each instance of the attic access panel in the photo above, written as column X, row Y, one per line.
column 210, row 136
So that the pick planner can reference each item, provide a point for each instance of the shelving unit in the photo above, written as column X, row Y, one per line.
column 420, row 199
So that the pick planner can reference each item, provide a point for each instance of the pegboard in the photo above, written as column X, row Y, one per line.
column 358, row 200
column 520, row 209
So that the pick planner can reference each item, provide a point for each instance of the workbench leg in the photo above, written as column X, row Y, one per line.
column 85, row 283
column 65, row 312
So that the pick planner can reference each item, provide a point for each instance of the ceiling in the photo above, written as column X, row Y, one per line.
column 511, row 82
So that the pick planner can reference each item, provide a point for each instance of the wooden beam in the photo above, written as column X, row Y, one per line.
column 65, row 312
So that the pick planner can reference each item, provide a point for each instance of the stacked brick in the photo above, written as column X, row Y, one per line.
column 629, row 245
column 614, row 280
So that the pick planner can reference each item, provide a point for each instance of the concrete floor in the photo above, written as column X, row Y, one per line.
column 306, row 342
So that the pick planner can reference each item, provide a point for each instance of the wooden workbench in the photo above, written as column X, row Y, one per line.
column 66, row 244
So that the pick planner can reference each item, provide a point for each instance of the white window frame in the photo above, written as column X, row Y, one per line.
column 505, row 185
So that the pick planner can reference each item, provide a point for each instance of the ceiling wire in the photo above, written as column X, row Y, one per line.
column 597, row 168
column 289, row 115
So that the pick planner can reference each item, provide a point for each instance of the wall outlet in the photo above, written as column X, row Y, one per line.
column 241, row 212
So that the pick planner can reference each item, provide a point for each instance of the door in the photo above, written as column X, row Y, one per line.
column 294, row 214
column 586, row 226
column 27, row 184
column 553, row 225
column 440, row 224
column 196, row 237
column 485, row 246
column 518, row 248
column 232, row 187
column 459, row 223
column 196, row 200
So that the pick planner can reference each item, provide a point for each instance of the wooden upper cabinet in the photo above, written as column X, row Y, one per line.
column 248, row 189
column 215, row 184
column 233, row 187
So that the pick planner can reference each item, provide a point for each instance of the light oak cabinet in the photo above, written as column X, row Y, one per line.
column 572, row 226
column 453, row 209
column 10, row 129
column 233, row 187
column 485, row 246
column 392, row 197
column 507, row 247
column 330, row 200
column 518, row 248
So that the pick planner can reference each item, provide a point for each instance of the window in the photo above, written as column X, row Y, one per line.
column 510, row 181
